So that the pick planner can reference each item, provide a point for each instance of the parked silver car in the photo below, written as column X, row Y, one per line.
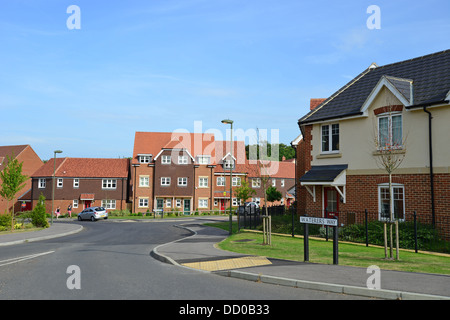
column 93, row 214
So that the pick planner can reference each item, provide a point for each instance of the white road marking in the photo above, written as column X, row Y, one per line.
column 19, row 259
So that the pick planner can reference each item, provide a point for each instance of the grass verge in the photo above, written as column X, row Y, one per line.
column 320, row 251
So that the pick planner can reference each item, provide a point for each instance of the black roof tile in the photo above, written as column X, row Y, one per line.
column 430, row 73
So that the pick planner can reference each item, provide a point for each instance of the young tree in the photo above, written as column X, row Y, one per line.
column 390, row 153
column 273, row 194
column 244, row 191
column 12, row 181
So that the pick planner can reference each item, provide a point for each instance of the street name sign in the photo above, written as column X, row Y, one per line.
column 324, row 221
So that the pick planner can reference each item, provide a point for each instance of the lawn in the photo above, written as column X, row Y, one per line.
column 320, row 251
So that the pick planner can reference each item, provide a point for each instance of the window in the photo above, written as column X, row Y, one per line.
column 274, row 183
column 282, row 182
column 204, row 159
column 168, row 203
column 203, row 203
column 203, row 182
column 143, row 202
column 165, row 181
column 109, row 204
column 109, row 184
column 235, row 202
column 182, row 182
column 144, row 181
column 182, row 159
column 330, row 137
column 75, row 204
column 59, row 183
column 228, row 164
column 220, row 181
column 178, row 203
column 256, row 200
column 256, row 183
column 144, row 159
column 165, row 159
column 390, row 131
column 76, row 183
column 42, row 183
column 236, row 181
column 398, row 201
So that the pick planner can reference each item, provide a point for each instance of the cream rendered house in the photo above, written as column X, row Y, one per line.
column 404, row 106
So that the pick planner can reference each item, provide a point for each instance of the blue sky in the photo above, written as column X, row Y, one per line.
column 162, row 65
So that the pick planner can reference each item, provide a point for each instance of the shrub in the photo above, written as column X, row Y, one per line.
column 5, row 222
column 38, row 216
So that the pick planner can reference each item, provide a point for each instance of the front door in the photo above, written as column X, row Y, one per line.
column 222, row 204
column 187, row 206
column 331, row 201
column 87, row 203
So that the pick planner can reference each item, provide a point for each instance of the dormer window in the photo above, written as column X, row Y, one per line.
column 228, row 164
column 203, row 159
column 145, row 158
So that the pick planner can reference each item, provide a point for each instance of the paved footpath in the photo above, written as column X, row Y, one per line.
column 199, row 252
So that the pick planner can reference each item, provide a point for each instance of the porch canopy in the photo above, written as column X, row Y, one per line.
column 328, row 175
column 87, row 196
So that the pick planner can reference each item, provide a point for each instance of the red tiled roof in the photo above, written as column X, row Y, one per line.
column 85, row 168
column 6, row 151
column 153, row 142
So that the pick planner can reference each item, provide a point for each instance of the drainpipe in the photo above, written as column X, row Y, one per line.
column 431, row 165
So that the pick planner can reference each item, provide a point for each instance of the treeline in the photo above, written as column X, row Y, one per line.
column 284, row 150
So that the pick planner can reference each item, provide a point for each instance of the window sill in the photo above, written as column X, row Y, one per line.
column 382, row 152
column 329, row 155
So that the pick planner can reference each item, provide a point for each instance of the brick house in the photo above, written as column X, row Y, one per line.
column 30, row 163
column 188, row 172
column 404, row 103
column 82, row 183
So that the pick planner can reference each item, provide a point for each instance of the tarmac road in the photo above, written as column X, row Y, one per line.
column 114, row 262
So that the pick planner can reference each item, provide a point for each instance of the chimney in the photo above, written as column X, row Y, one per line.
column 315, row 102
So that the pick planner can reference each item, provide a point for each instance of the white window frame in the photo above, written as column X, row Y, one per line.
column 203, row 203
column 59, row 182
column 182, row 159
column 256, row 183
column 76, row 183
column 203, row 182
column 168, row 203
column 236, row 181
column 165, row 181
column 330, row 138
column 144, row 181
column 178, row 203
column 221, row 181
column 380, row 206
column 274, row 183
column 144, row 159
column 390, row 133
column 228, row 163
column 256, row 200
column 42, row 184
column 203, row 159
column 109, row 204
column 75, row 204
column 282, row 182
column 109, row 184
column 165, row 159
column 143, row 202
column 182, row 181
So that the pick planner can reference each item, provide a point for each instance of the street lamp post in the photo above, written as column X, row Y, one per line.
column 230, row 122
column 53, row 182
